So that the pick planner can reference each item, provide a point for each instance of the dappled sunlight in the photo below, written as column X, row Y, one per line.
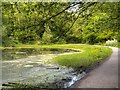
column 55, row 44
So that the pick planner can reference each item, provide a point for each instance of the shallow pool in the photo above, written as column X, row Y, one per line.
column 33, row 67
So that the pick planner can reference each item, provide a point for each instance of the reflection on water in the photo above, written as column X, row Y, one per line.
column 11, row 54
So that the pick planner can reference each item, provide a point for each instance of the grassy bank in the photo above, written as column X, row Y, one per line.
column 88, row 56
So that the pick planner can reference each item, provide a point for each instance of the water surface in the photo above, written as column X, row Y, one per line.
column 33, row 67
column 17, row 53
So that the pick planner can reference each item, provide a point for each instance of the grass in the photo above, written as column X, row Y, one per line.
column 89, row 56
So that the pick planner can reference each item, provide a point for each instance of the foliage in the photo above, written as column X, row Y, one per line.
column 112, row 43
column 58, row 22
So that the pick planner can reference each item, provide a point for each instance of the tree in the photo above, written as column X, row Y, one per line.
column 58, row 22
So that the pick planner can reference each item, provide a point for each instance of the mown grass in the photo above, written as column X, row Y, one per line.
column 88, row 56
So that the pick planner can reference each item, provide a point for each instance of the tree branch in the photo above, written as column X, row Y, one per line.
column 85, row 8
column 51, row 17
column 80, row 13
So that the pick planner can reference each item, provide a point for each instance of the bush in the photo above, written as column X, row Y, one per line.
column 90, row 38
column 6, row 41
column 113, row 43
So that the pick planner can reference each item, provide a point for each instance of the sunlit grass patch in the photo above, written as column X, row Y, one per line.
column 89, row 57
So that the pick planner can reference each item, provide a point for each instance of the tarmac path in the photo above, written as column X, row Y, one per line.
column 103, row 76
